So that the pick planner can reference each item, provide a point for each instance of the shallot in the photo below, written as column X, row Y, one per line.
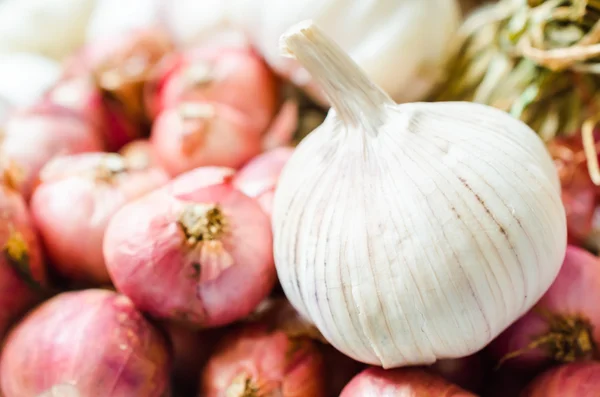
column 73, row 204
column 564, row 326
column 399, row 382
column 81, row 94
column 35, row 135
column 569, row 380
column 197, row 250
column 121, row 68
column 197, row 134
column 258, row 178
column 236, row 77
column 258, row 359
column 95, row 340
column 22, row 271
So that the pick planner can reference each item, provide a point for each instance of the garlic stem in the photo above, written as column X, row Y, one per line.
column 356, row 100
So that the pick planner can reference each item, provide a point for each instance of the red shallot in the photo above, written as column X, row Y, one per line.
column 401, row 382
column 570, row 380
column 579, row 194
column 234, row 77
column 258, row 178
column 564, row 325
column 35, row 135
column 121, row 67
column 95, row 340
column 73, row 204
column 197, row 250
column 259, row 360
column 197, row 134
column 81, row 94
column 22, row 270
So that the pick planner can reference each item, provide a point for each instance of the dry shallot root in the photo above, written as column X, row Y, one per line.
column 95, row 340
column 22, row 271
column 33, row 136
column 197, row 250
column 74, row 202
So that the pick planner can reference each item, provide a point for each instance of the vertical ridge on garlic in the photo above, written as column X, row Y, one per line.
column 401, row 44
column 415, row 232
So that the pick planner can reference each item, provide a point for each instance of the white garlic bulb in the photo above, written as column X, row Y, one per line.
column 112, row 18
column 401, row 44
column 415, row 232
column 53, row 28
column 27, row 77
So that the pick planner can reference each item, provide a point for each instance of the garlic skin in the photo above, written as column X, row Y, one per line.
column 114, row 18
column 27, row 76
column 399, row 43
column 53, row 28
column 415, row 232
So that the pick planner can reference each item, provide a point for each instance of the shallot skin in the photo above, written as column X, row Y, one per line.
column 566, row 317
column 94, row 339
column 139, row 152
column 81, row 94
column 258, row 178
column 208, row 279
column 74, row 203
column 236, row 77
column 21, row 260
column 211, row 135
column 570, row 380
column 266, row 361
column 409, row 382
column 32, row 137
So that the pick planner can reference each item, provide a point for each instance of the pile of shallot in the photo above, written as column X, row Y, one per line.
column 239, row 198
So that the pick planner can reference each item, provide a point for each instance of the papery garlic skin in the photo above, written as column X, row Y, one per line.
column 114, row 18
column 401, row 44
column 416, row 232
column 53, row 28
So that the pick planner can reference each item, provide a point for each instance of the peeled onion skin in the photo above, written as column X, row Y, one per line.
column 258, row 178
column 564, row 325
column 94, row 339
column 257, row 360
column 76, row 199
column 196, row 251
column 401, row 382
column 233, row 77
column 22, row 271
column 197, row 134
column 34, row 136
column 570, row 380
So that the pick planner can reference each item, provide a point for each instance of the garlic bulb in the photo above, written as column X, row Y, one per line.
column 399, row 43
column 112, row 18
column 53, row 28
column 415, row 232
column 26, row 77
column 193, row 22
